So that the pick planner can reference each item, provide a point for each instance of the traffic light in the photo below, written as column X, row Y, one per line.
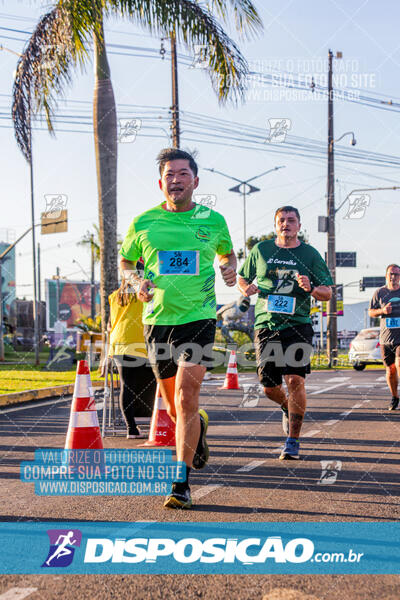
column 362, row 286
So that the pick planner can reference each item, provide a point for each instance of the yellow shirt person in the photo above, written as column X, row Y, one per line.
column 127, row 348
column 126, row 334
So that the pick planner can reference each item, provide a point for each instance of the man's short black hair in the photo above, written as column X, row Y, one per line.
column 168, row 154
column 390, row 266
column 287, row 209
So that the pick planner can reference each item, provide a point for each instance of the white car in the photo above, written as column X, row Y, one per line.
column 365, row 349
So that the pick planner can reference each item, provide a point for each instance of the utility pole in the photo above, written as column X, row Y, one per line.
column 39, row 275
column 331, row 327
column 175, row 97
column 35, row 308
column 58, row 293
column 92, row 290
column 39, row 294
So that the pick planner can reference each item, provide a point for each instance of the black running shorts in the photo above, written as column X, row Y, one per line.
column 389, row 354
column 283, row 352
column 168, row 345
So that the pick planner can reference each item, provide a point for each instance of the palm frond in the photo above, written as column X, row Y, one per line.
column 44, row 70
column 247, row 20
column 193, row 25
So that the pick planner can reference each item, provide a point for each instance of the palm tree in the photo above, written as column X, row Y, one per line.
column 62, row 41
column 92, row 239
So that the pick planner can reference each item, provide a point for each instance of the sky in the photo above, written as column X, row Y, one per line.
column 293, row 46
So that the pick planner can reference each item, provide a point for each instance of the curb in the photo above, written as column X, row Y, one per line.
column 42, row 393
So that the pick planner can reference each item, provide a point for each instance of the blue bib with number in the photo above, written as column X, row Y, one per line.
column 178, row 262
column 281, row 304
column 393, row 323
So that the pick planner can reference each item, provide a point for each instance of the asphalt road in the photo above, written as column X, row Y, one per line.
column 347, row 424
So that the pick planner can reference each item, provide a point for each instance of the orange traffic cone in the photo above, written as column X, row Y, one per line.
column 83, row 429
column 231, row 378
column 162, row 428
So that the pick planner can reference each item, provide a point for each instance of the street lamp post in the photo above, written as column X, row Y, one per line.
column 245, row 189
column 331, row 325
column 35, row 306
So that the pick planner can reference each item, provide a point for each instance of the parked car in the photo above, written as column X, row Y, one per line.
column 365, row 349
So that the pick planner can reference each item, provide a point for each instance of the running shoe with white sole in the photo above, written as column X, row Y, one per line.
column 394, row 403
column 290, row 450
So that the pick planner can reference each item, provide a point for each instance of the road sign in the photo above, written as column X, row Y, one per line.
column 374, row 282
column 345, row 259
column 54, row 222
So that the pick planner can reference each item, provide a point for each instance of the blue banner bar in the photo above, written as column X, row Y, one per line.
column 200, row 548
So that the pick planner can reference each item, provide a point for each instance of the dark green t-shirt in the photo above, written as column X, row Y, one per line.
column 390, row 324
column 178, row 249
column 281, row 302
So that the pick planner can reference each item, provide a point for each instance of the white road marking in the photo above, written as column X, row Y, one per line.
column 356, row 406
column 253, row 465
column 311, row 433
column 331, row 422
column 17, row 593
column 345, row 413
column 207, row 489
column 332, row 387
column 311, row 386
column 218, row 382
column 337, row 379
column 382, row 378
column 32, row 406
column 363, row 385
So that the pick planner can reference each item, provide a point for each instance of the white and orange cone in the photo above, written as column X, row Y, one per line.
column 231, row 378
column 162, row 428
column 83, row 429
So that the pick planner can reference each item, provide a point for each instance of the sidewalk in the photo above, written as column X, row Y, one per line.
column 42, row 393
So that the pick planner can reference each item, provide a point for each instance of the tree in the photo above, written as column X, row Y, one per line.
column 253, row 240
column 62, row 41
column 90, row 238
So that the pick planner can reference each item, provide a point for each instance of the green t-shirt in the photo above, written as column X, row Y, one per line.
column 275, row 269
column 178, row 251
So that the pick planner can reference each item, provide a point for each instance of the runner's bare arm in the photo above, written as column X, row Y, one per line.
column 247, row 289
column 322, row 292
column 319, row 292
column 378, row 312
column 130, row 274
column 227, row 265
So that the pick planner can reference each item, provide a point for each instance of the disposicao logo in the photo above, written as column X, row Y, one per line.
column 62, row 547
column 189, row 550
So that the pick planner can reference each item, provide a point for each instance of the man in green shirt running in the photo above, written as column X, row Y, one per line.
column 178, row 241
column 288, row 272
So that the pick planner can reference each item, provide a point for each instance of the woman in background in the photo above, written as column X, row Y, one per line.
column 127, row 347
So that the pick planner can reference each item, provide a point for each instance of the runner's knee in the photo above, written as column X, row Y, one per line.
column 295, row 382
column 271, row 391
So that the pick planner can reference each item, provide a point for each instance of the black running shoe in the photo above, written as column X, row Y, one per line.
column 179, row 497
column 394, row 404
column 202, row 453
